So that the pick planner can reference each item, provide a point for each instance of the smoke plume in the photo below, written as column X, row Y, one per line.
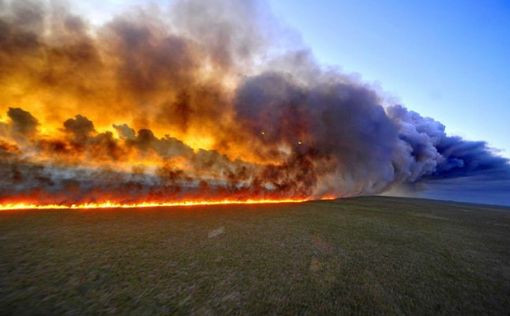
column 203, row 101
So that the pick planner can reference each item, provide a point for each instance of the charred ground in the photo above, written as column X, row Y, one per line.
column 362, row 255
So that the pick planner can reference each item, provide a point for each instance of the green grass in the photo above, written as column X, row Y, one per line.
column 355, row 256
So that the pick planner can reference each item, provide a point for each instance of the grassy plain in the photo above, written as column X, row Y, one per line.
column 353, row 256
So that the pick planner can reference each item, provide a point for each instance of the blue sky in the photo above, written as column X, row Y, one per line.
column 449, row 60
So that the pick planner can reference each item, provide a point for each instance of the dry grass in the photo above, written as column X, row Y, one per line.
column 355, row 256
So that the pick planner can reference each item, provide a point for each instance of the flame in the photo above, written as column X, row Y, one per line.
column 136, row 108
column 114, row 205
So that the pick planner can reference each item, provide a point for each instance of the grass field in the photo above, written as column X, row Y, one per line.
column 356, row 256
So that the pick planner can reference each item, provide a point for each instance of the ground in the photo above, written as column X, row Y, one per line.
column 356, row 256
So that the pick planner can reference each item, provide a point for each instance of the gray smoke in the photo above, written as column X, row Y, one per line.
column 283, row 125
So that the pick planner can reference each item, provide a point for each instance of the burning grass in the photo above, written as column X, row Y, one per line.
column 120, row 205
column 364, row 255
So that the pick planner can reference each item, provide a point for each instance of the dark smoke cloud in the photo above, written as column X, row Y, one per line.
column 341, row 127
column 80, row 127
column 280, row 125
column 22, row 121
column 448, row 167
column 432, row 154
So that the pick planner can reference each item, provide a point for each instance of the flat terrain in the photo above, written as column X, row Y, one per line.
column 356, row 256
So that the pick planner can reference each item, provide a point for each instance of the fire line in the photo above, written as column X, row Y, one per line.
column 112, row 205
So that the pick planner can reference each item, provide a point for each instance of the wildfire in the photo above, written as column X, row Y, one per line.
column 172, row 108
column 113, row 205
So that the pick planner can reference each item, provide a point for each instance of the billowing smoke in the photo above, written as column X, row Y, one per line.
column 202, row 102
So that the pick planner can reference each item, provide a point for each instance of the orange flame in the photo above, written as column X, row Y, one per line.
column 137, row 114
column 113, row 205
